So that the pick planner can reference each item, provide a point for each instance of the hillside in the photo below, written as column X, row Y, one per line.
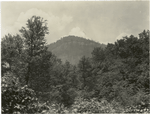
column 72, row 48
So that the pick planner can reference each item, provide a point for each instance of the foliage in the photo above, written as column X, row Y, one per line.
column 19, row 99
column 94, row 106
column 114, row 79
column 34, row 35
column 63, row 84
column 84, row 71
column 124, row 72
column 12, row 56
column 98, row 54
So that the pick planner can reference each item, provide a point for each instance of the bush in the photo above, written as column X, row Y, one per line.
column 17, row 99
column 94, row 106
column 141, row 103
column 62, row 96
column 20, row 99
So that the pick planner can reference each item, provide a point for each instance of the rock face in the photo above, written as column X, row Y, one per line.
column 72, row 48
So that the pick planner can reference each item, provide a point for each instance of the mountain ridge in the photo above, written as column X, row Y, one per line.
column 72, row 48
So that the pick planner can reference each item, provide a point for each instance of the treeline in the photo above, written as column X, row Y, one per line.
column 31, row 73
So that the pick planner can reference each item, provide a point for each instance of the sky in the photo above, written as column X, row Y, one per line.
column 101, row 21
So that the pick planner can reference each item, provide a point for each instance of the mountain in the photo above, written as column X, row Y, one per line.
column 72, row 48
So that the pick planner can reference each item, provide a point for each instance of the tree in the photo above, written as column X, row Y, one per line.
column 12, row 56
column 84, row 69
column 98, row 55
column 11, row 49
column 38, row 57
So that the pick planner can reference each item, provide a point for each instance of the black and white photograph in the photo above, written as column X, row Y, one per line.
column 75, row 57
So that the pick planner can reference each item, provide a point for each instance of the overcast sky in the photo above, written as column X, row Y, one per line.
column 101, row 21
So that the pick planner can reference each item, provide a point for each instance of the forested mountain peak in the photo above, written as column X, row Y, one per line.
column 115, row 79
column 72, row 48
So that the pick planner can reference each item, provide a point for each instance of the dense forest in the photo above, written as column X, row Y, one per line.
column 114, row 79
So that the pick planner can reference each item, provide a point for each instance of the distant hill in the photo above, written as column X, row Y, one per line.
column 72, row 48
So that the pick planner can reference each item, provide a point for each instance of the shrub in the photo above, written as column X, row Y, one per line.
column 18, row 99
column 94, row 106
column 62, row 96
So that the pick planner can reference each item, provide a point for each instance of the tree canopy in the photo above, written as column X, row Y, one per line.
column 117, row 73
